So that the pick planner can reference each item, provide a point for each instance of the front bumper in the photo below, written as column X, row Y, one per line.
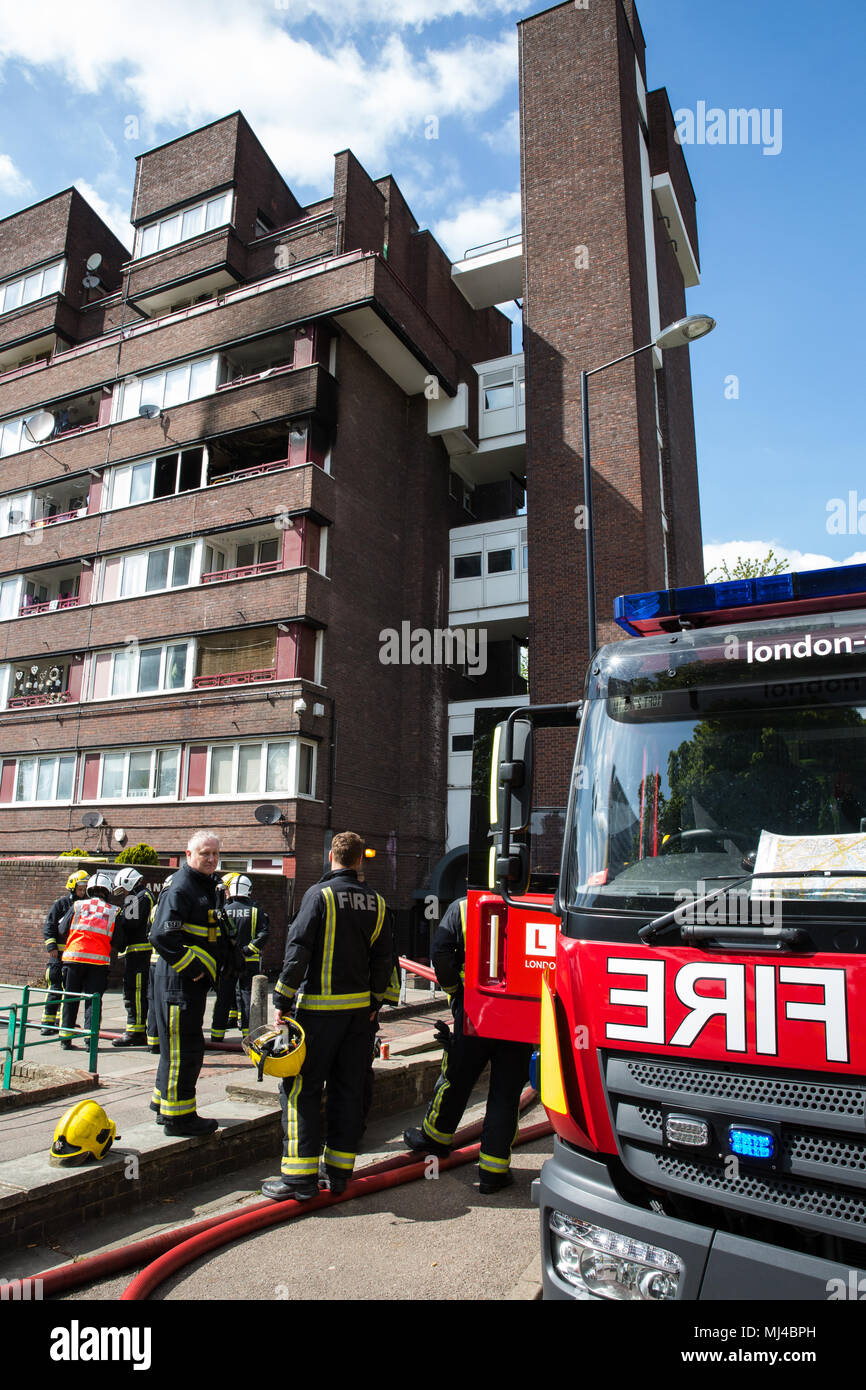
column 718, row 1266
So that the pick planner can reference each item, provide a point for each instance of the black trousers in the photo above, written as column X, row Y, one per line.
column 179, row 1005
column 80, row 978
column 54, row 978
column 136, row 971
column 461, row 1068
column 225, row 1010
column 152, row 1034
column 338, row 1052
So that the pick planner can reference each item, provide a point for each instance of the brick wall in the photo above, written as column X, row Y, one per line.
column 29, row 887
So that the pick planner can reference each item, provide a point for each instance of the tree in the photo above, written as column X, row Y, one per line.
column 75, row 854
column 748, row 569
column 137, row 854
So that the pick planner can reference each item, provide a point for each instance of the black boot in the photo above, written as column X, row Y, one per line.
column 129, row 1040
column 494, row 1182
column 289, row 1189
column 417, row 1141
column 190, row 1126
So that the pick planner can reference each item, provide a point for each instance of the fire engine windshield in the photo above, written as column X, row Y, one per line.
column 681, row 789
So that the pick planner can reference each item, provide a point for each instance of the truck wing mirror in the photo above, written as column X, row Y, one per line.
column 513, row 777
column 512, row 870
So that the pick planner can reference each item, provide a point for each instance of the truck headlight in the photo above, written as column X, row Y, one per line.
column 609, row 1265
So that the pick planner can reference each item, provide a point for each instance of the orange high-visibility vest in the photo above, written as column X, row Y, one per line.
column 89, row 938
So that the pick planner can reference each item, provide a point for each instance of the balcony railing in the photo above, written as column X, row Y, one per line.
column 59, row 516
column 242, row 572
column 250, row 471
column 48, row 697
column 233, row 678
column 50, row 606
column 256, row 376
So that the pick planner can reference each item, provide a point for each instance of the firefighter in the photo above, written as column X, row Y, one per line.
column 190, row 935
column 463, row 1061
column 232, row 1006
column 76, row 888
column 151, row 1034
column 135, row 916
column 89, row 926
column 339, row 948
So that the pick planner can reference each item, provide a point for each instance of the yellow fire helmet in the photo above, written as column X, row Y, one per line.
column 85, row 1132
column 80, row 877
column 277, row 1051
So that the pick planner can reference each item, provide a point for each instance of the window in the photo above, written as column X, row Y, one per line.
column 9, row 602
column 498, row 397
column 175, row 385
column 163, row 476
column 139, row 773
column 500, row 561
column 257, row 553
column 467, row 566
column 28, row 288
column 150, row 572
column 261, row 769
column 461, row 743
column 180, row 226
column 45, row 779
column 142, row 670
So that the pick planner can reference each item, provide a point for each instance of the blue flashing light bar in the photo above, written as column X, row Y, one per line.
column 711, row 604
column 751, row 1143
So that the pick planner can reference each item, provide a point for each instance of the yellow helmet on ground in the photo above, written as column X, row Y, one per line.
column 85, row 1132
column 277, row 1051
column 80, row 877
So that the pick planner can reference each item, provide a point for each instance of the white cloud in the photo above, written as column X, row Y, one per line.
column 352, row 14
column 116, row 215
column 12, row 181
column 731, row 551
column 505, row 140
column 182, row 65
column 488, row 219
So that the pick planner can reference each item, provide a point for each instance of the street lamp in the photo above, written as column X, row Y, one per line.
column 678, row 334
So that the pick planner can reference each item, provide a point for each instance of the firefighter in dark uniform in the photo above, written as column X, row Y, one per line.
column 463, row 1061
column 135, row 920
column 76, row 888
column 251, row 925
column 340, row 947
column 151, row 1033
column 191, row 938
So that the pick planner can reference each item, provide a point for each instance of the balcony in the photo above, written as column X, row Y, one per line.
column 491, row 274
column 28, row 608
column 241, row 572
column 489, row 581
column 234, row 678
column 201, row 267
column 51, row 683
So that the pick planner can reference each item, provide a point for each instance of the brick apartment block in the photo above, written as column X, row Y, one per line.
column 235, row 453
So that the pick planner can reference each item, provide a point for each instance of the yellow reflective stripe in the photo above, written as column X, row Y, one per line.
column 195, row 930
column 280, row 988
column 330, row 933
column 379, row 920
column 550, row 1066
column 138, row 946
column 291, row 1153
column 186, row 959
column 299, row 1167
column 197, row 953
column 437, row 1134
column 493, row 1165
column 324, row 1002
column 139, row 1020
column 173, row 1052
column 173, row 1108
column 428, row 1124
column 336, row 1159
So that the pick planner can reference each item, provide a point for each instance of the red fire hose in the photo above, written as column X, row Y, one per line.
column 102, row 1266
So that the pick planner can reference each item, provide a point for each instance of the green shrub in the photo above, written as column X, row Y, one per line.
column 137, row 854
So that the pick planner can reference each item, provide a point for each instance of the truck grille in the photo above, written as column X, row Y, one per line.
column 820, row 1177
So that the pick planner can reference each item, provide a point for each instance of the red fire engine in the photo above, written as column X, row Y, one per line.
column 692, row 959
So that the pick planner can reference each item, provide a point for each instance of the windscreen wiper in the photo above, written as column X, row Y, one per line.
column 690, row 931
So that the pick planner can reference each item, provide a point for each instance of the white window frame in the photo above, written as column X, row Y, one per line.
column 151, row 389
column 20, row 280
column 164, row 236
column 126, row 753
column 140, row 558
column 36, row 758
column 291, row 794
column 135, row 669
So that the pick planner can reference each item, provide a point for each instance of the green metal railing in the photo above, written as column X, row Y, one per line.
column 18, row 1024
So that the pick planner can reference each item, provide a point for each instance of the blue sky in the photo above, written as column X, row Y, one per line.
column 86, row 88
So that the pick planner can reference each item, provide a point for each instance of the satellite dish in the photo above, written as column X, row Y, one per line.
column 268, row 814
column 40, row 426
column 91, row 819
column 94, row 262
column 91, row 282
column 149, row 412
